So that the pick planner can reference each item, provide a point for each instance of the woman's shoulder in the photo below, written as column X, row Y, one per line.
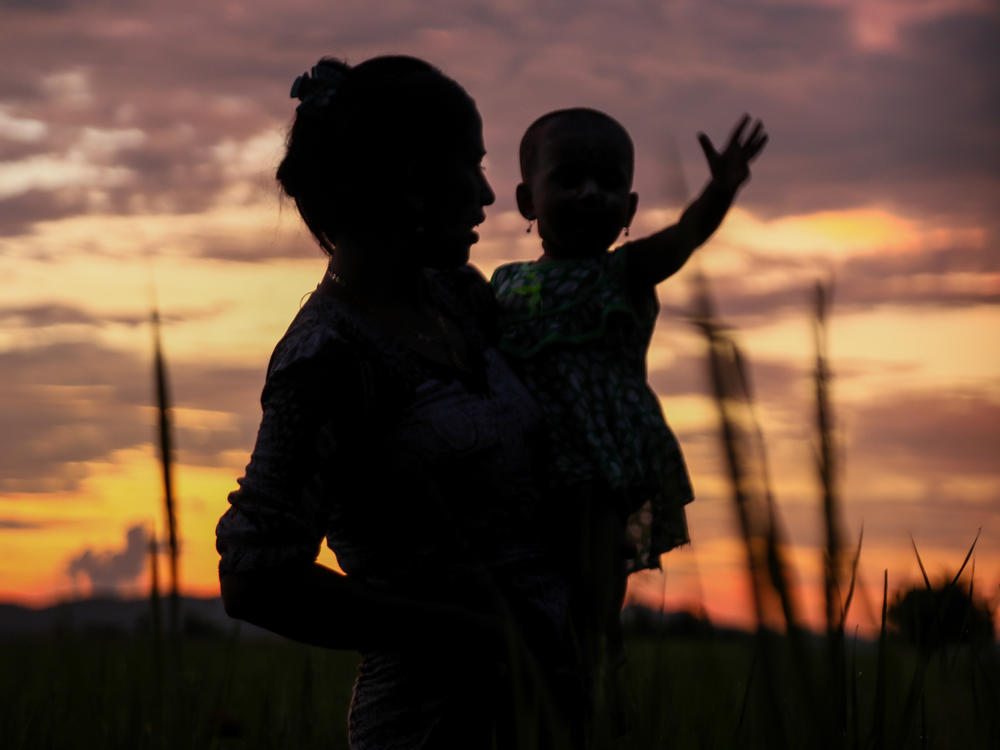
column 317, row 333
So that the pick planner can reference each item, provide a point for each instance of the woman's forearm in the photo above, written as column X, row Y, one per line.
column 308, row 603
column 316, row 605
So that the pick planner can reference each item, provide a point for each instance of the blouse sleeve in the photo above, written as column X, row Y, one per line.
column 279, row 514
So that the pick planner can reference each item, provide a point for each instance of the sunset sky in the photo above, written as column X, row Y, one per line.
column 138, row 143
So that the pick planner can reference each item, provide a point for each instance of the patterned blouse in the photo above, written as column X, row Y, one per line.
column 577, row 333
column 421, row 479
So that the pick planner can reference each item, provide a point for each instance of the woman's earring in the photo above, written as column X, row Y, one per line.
column 626, row 230
column 528, row 230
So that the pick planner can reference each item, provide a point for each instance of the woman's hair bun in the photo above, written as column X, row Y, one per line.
column 317, row 88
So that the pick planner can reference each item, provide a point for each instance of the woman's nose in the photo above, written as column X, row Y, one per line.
column 486, row 194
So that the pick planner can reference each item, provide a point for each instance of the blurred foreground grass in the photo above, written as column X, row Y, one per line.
column 101, row 692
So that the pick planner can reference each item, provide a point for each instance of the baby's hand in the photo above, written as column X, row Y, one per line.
column 731, row 168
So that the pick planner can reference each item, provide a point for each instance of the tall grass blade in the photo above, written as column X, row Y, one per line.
column 923, row 572
column 165, row 442
column 826, row 466
column 743, row 449
column 156, row 631
column 719, row 354
column 967, row 556
column 855, row 738
column 937, row 637
column 155, row 607
column 876, row 738
column 826, row 471
column 854, row 577
column 967, row 615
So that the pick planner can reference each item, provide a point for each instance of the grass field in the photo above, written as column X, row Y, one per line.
column 107, row 692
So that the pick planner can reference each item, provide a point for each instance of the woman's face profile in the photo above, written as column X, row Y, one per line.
column 451, row 190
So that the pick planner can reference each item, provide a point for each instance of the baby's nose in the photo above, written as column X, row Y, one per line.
column 589, row 188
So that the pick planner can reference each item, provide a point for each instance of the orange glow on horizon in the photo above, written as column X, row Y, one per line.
column 234, row 312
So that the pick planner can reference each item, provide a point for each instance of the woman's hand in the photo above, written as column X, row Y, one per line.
column 731, row 168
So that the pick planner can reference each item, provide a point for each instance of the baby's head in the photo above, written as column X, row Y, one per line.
column 576, row 172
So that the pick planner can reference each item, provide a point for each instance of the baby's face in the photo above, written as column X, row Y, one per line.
column 581, row 190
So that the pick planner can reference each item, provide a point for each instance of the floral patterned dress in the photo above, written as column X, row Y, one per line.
column 577, row 333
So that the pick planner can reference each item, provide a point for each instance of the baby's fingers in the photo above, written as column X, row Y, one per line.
column 754, row 147
column 755, row 134
column 706, row 145
column 736, row 135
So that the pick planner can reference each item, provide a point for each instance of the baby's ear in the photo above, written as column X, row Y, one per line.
column 525, row 201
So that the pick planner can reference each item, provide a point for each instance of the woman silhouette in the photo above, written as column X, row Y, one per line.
column 393, row 428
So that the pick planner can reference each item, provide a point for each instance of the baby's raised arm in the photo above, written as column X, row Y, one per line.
column 652, row 259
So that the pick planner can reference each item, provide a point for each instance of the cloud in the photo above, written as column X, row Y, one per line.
column 933, row 435
column 688, row 375
column 19, row 213
column 946, row 277
column 21, row 128
column 850, row 124
column 45, row 315
column 103, row 115
column 18, row 524
column 70, row 403
column 108, row 569
column 43, row 172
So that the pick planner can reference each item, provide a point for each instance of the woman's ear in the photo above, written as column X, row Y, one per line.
column 525, row 201
column 633, row 204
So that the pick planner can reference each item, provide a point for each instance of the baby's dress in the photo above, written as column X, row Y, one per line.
column 577, row 334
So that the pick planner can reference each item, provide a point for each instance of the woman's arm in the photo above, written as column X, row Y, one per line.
column 269, row 539
column 316, row 605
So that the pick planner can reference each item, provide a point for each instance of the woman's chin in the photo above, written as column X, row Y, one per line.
column 452, row 258
column 450, row 252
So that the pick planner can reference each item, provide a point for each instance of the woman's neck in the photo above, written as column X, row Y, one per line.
column 378, row 277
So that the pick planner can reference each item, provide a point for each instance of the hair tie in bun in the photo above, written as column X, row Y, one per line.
column 315, row 89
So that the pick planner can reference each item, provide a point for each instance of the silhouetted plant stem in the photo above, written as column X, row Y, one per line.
column 156, row 631
column 854, row 578
column 826, row 465
column 755, row 510
column 855, row 739
column 720, row 352
column 923, row 571
column 165, row 436
column 876, row 739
